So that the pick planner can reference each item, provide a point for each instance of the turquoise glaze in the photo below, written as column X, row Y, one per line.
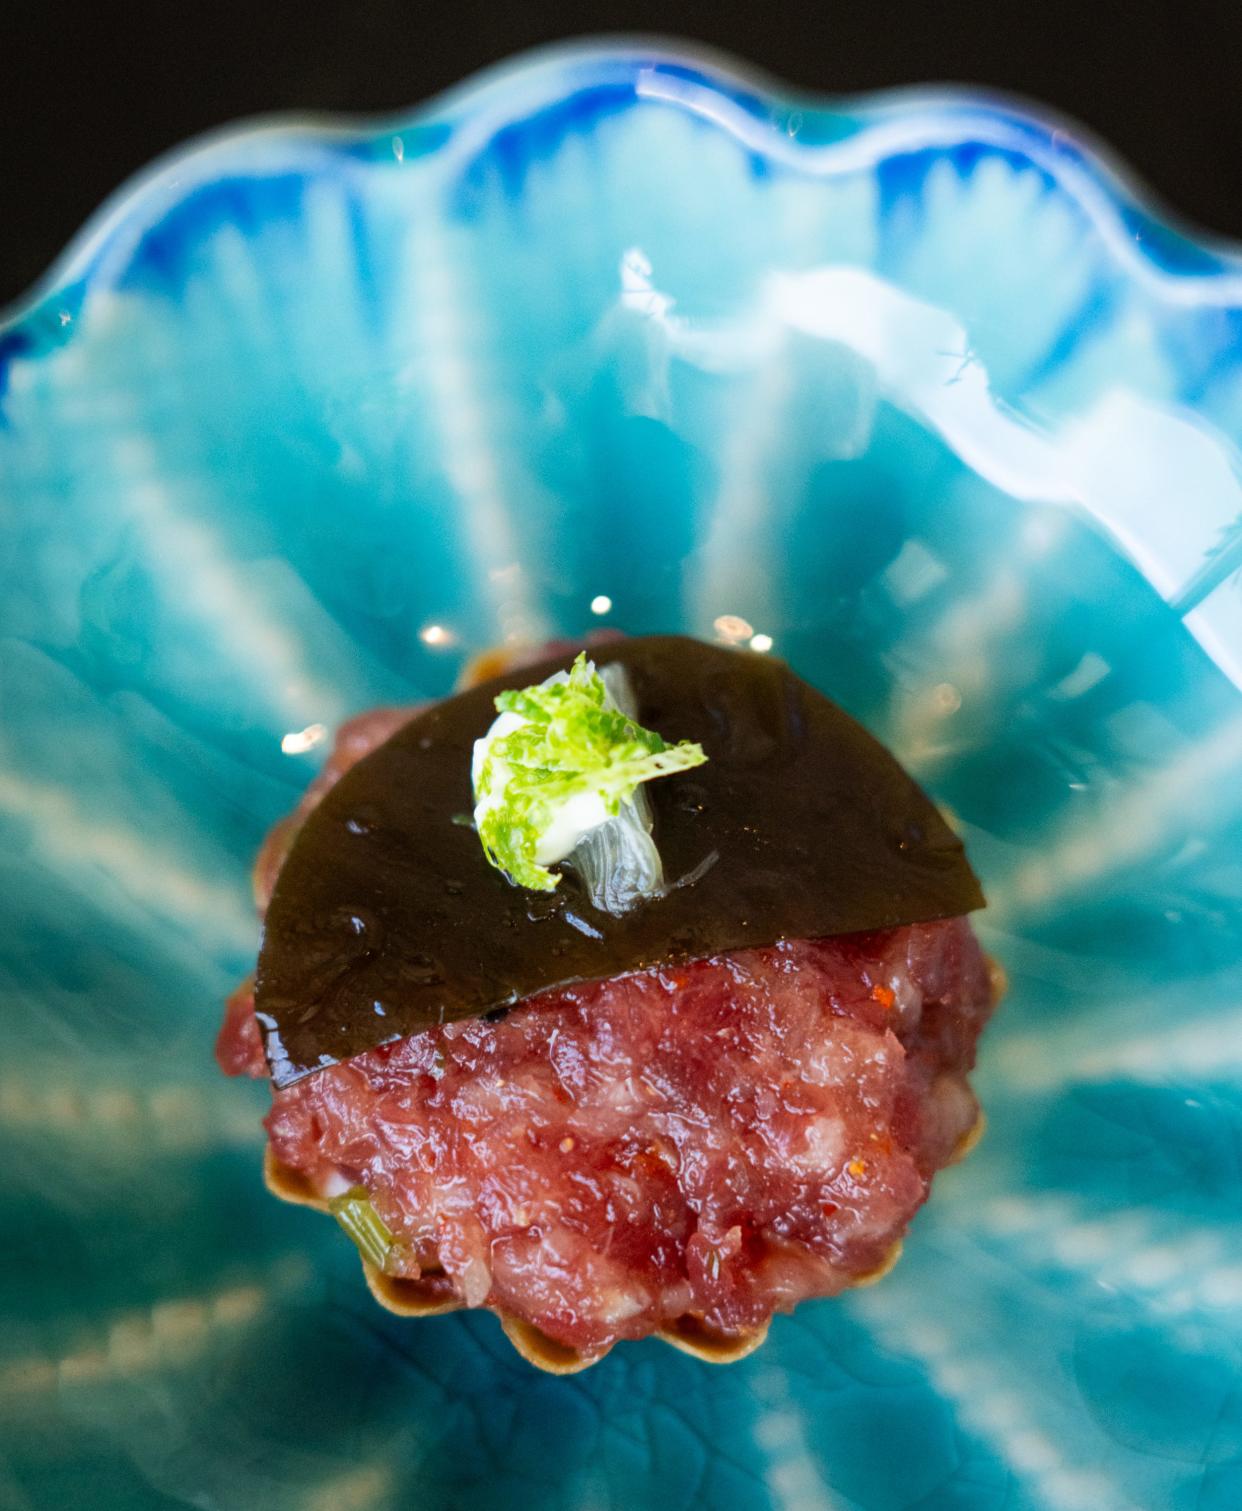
column 915, row 387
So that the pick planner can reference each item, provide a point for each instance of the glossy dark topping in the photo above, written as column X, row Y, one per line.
column 387, row 919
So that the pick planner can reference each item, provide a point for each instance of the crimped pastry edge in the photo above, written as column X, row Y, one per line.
column 411, row 1298
column 404, row 1299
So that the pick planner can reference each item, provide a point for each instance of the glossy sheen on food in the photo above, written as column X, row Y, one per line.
column 717, row 1140
column 386, row 918
column 712, row 1141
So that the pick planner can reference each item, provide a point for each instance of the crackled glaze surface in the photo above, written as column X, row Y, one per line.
column 911, row 387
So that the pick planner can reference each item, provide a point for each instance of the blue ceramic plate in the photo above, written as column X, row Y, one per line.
column 911, row 385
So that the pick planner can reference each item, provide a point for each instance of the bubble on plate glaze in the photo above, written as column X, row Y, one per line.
column 601, row 604
column 436, row 635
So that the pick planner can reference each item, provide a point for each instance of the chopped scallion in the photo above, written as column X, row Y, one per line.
column 353, row 1210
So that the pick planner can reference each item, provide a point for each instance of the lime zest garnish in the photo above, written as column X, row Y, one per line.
column 563, row 742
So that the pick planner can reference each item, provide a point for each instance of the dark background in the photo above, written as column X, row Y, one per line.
column 92, row 91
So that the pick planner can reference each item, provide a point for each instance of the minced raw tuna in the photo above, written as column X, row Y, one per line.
column 715, row 1141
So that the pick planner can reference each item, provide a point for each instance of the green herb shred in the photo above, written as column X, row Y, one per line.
column 564, row 740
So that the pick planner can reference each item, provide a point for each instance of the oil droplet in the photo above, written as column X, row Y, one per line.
column 361, row 821
column 422, row 970
column 355, row 922
column 454, row 888
column 693, row 797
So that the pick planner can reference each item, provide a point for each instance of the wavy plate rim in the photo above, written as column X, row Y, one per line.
column 741, row 99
